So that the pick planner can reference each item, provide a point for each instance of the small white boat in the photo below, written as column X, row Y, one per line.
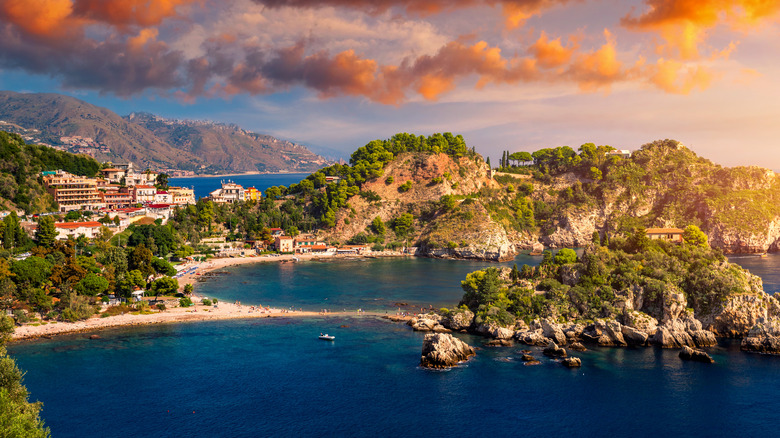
column 327, row 337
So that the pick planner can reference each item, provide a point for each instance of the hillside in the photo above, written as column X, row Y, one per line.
column 663, row 184
column 147, row 140
column 229, row 147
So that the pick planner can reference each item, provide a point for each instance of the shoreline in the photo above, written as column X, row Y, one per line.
column 221, row 175
column 197, row 312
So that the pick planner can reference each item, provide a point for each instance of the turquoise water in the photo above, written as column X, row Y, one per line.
column 273, row 377
column 204, row 185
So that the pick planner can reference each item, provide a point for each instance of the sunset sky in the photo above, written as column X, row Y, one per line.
column 507, row 74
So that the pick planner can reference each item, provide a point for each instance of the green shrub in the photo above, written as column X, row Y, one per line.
column 206, row 302
column 160, row 306
column 405, row 187
column 185, row 302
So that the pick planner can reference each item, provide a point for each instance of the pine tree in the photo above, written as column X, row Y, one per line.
column 514, row 275
column 488, row 163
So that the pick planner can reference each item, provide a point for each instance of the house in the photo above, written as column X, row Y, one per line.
column 252, row 194
column 276, row 232
column 159, row 211
column 117, row 199
column 284, row 243
column 229, row 193
column 668, row 234
column 308, row 244
column 619, row 153
column 332, row 179
column 113, row 174
column 75, row 229
column 182, row 195
column 144, row 194
column 163, row 197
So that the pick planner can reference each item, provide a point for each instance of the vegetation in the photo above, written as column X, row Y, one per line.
column 595, row 285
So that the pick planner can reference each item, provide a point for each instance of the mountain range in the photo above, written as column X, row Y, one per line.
column 148, row 140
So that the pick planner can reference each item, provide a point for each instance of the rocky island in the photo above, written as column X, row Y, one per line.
column 632, row 292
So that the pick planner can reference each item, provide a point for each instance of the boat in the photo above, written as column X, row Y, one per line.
column 327, row 337
column 762, row 255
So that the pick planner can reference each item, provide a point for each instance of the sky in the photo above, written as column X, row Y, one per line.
column 515, row 75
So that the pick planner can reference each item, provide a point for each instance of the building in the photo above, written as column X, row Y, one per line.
column 284, row 243
column 252, row 194
column 159, row 211
column 144, row 194
column 229, row 193
column 276, row 232
column 119, row 199
column 307, row 244
column 182, row 195
column 619, row 153
column 73, row 192
column 668, row 234
column 76, row 229
column 163, row 197
column 113, row 174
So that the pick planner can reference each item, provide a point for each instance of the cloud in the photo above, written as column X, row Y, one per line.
column 551, row 53
column 516, row 12
column 675, row 77
column 684, row 23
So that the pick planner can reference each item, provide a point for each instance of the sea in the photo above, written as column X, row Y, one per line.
column 204, row 185
column 274, row 377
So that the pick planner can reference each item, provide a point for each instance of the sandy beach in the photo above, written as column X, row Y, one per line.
column 198, row 312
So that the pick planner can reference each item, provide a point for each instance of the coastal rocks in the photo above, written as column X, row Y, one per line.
column 553, row 350
column 498, row 343
column 576, row 346
column 427, row 323
column 688, row 353
column 739, row 313
column 501, row 333
column 763, row 338
column 553, row 331
column 572, row 362
column 633, row 336
column 532, row 337
column 530, row 360
column 441, row 350
column 640, row 321
column 458, row 320
column 605, row 333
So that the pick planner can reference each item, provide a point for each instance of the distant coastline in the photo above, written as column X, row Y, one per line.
column 223, row 175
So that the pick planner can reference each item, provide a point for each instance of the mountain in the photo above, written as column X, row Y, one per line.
column 71, row 124
column 229, row 147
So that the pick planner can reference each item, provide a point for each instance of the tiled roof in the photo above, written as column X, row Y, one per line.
column 74, row 225
column 664, row 231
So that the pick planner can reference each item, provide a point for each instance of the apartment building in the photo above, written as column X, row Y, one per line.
column 73, row 192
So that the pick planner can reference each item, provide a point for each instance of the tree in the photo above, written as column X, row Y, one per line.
column 565, row 256
column 164, row 286
column 161, row 266
column 116, row 257
column 515, row 274
column 188, row 289
column 32, row 271
column 692, row 235
column 595, row 238
column 377, row 226
column 488, row 163
column 92, row 285
column 140, row 258
column 72, row 215
column 480, row 287
column 447, row 202
column 162, row 181
column 402, row 225
column 46, row 232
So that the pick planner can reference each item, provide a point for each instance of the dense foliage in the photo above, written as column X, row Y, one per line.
column 596, row 285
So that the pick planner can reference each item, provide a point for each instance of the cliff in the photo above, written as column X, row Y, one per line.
column 448, row 219
column 662, row 185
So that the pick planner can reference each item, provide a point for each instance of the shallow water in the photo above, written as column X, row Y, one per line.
column 275, row 378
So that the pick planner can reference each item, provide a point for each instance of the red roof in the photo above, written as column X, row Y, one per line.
column 162, row 192
column 275, row 229
column 319, row 247
column 158, row 206
column 74, row 225
column 144, row 187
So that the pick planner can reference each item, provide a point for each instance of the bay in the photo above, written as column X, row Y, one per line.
column 275, row 378
column 203, row 185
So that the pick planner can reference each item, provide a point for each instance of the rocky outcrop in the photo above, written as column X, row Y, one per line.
column 688, row 353
column 572, row 362
column 633, row 336
column 553, row 331
column 532, row 337
column 679, row 328
column 640, row 321
column 427, row 323
column 441, row 350
column 763, row 338
column 605, row 333
column 458, row 319
column 553, row 350
column 739, row 313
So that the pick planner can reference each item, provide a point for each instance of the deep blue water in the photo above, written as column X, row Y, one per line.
column 273, row 377
column 204, row 185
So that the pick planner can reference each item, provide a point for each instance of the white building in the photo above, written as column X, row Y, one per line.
column 76, row 229
column 229, row 193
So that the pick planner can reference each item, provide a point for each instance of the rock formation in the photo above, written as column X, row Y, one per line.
column 688, row 353
column 441, row 350
column 764, row 338
column 572, row 362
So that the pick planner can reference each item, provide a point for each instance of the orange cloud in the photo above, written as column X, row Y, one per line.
column 683, row 24
column 144, row 36
column 125, row 12
column 38, row 17
column 675, row 77
column 551, row 54
column 598, row 69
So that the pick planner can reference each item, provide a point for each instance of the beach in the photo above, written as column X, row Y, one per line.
column 197, row 312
